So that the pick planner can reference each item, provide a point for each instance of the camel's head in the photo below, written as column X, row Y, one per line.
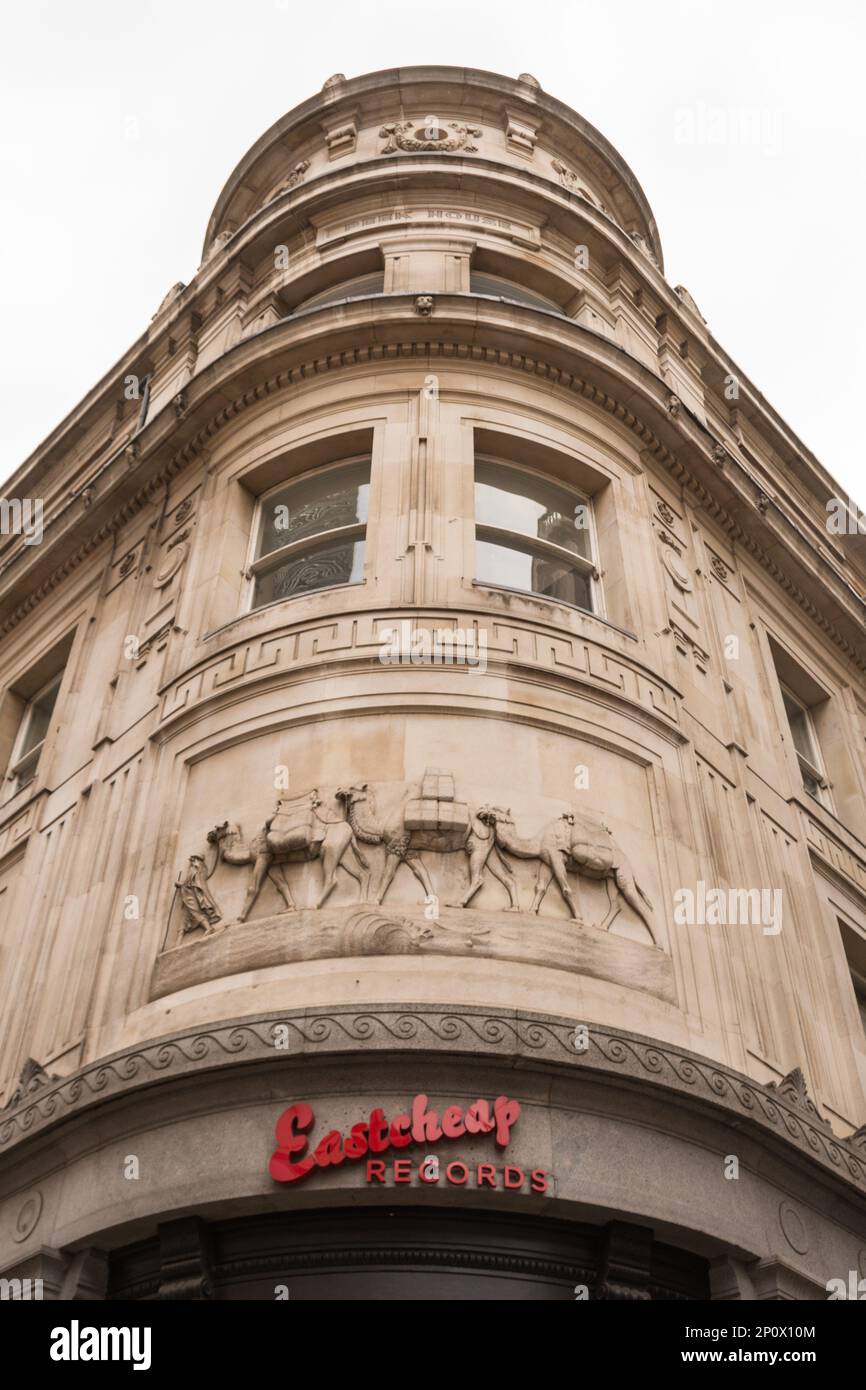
column 221, row 832
column 495, row 815
column 349, row 795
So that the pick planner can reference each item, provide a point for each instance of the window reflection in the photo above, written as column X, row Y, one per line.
column 556, row 557
column 312, row 534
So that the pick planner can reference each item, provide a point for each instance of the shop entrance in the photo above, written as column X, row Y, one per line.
column 404, row 1253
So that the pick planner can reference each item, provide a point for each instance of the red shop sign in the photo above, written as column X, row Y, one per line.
column 291, row 1160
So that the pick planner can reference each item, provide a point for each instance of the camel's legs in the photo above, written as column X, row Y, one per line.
column 542, row 883
column 277, row 875
column 633, row 893
column 612, row 903
column 479, row 855
column 418, row 867
column 557, row 864
column 392, row 861
column 501, row 871
column 258, row 874
column 331, row 856
column 364, row 877
column 361, row 858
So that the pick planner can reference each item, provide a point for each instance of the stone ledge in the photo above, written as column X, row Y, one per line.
column 367, row 930
column 521, row 1039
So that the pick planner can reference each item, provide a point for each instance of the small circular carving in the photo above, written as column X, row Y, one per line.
column 28, row 1215
column 183, row 510
column 171, row 566
column 677, row 570
column 793, row 1227
column 665, row 513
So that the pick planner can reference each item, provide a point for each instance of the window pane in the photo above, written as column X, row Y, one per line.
column 801, row 733
column 38, row 717
column 27, row 770
column 336, row 497
column 521, row 502
column 357, row 288
column 516, row 568
column 479, row 283
column 316, row 569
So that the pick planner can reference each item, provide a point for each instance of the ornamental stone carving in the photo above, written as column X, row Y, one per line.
column 413, row 136
column 295, row 177
column 578, row 844
column 429, row 818
column 719, row 568
column 197, row 902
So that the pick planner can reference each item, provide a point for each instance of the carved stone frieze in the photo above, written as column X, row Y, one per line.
column 413, row 136
column 513, row 1036
column 794, row 1090
column 295, row 177
column 429, row 818
column 32, row 1078
column 513, row 642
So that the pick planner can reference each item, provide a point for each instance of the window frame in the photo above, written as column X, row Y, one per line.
column 262, row 564
column 501, row 535
column 322, row 298
column 808, row 768
column 523, row 295
column 18, row 758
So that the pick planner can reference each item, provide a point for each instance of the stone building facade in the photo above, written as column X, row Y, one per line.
column 437, row 688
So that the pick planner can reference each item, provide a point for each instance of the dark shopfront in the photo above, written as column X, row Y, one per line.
column 395, row 1253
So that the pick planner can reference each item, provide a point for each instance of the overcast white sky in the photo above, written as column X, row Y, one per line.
column 744, row 122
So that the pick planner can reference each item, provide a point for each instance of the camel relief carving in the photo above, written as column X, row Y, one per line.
column 577, row 844
column 429, row 818
column 436, row 822
column 296, row 832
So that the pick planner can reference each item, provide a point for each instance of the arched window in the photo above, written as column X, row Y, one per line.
column 359, row 287
column 482, row 283
column 311, row 533
column 534, row 535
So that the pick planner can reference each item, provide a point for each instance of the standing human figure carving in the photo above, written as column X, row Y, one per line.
column 198, row 904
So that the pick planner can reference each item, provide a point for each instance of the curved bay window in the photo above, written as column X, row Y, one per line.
column 311, row 533
column 500, row 288
column 359, row 287
column 533, row 535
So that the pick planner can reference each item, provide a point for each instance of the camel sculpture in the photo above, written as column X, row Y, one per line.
column 574, row 843
column 295, row 832
column 403, row 845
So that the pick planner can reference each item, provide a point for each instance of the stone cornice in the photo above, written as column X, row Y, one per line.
column 394, row 85
column 777, row 1117
column 561, row 352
